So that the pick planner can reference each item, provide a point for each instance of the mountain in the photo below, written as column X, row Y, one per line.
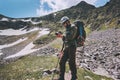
column 17, row 23
column 107, row 16
column 81, row 10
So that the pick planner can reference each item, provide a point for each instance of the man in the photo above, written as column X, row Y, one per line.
column 69, row 50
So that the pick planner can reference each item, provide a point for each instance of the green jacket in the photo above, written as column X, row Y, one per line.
column 69, row 38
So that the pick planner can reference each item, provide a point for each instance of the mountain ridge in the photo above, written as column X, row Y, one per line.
column 95, row 18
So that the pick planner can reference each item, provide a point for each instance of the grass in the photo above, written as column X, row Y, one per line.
column 27, row 68
column 57, row 43
column 103, row 28
column 31, row 67
column 88, row 30
column 44, row 39
column 83, row 74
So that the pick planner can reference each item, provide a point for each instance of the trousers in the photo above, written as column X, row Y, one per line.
column 68, row 55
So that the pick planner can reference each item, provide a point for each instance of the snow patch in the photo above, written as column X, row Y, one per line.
column 27, row 50
column 43, row 32
column 10, row 32
column 1, row 53
column 4, row 19
column 29, row 20
column 35, row 22
column 13, row 20
column 12, row 44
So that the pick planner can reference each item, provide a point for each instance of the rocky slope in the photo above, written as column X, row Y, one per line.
column 102, row 53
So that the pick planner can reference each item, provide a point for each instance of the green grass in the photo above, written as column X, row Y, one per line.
column 45, row 39
column 103, row 28
column 31, row 67
column 82, row 73
column 57, row 43
column 88, row 30
column 27, row 67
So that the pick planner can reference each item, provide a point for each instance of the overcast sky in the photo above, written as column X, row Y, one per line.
column 35, row 8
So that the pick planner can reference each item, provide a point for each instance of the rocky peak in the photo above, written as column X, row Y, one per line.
column 83, row 4
column 113, row 8
column 115, row 1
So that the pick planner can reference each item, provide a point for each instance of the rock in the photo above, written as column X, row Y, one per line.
column 88, row 78
column 46, row 72
column 118, row 76
column 117, row 54
column 102, row 49
column 45, row 51
column 55, row 71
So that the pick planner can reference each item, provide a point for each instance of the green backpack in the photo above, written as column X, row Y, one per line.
column 81, row 33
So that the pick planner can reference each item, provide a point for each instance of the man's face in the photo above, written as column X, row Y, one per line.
column 64, row 24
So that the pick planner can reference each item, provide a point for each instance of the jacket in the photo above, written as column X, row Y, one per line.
column 70, row 35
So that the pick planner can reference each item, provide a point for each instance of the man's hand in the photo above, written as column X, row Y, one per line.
column 59, row 34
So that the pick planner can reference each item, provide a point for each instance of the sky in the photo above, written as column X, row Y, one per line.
column 36, row 8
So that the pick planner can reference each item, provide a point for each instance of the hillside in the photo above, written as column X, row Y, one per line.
column 102, row 52
column 107, row 16
column 19, row 59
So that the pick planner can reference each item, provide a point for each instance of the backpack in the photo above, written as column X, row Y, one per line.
column 81, row 33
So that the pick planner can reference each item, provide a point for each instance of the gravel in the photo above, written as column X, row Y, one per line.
column 102, row 49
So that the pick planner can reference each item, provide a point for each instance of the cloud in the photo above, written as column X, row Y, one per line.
column 49, row 6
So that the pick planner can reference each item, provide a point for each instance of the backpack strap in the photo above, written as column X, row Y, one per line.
column 63, row 45
column 74, row 27
column 81, row 32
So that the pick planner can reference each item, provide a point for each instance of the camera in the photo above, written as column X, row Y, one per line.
column 59, row 32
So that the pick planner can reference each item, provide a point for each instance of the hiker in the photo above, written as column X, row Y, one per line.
column 69, row 49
